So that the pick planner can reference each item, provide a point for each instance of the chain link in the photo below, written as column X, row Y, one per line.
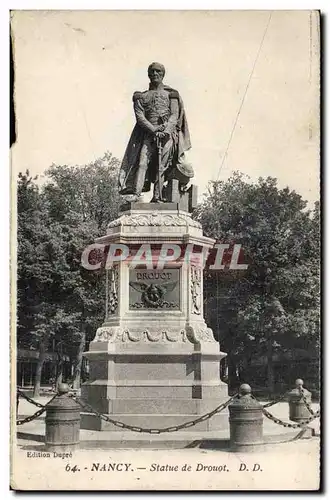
column 287, row 424
column 36, row 414
column 272, row 403
column 307, row 404
column 186, row 425
column 173, row 428
column 30, row 400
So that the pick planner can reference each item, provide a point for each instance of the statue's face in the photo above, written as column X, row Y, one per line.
column 156, row 74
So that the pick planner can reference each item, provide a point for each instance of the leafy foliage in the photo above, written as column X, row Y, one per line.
column 58, row 300
column 272, row 308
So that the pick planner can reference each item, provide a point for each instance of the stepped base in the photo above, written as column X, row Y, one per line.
column 154, row 386
column 108, row 440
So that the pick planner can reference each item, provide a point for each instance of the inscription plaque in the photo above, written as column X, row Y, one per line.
column 154, row 289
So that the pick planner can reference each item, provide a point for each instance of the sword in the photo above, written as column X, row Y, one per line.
column 160, row 179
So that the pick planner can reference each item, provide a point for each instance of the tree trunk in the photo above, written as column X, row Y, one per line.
column 270, row 368
column 233, row 379
column 224, row 370
column 78, row 361
column 40, row 364
column 59, row 373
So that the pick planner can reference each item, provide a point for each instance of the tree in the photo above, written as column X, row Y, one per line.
column 34, row 309
column 274, row 305
column 90, row 191
column 82, row 200
column 60, row 302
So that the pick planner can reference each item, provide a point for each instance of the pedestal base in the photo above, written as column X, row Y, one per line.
column 154, row 363
column 154, row 386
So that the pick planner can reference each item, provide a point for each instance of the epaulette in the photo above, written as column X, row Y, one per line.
column 174, row 94
column 137, row 95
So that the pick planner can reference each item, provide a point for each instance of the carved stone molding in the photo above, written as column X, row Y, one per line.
column 118, row 334
column 195, row 290
column 193, row 334
column 112, row 291
column 154, row 219
column 199, row 333
column 107, row 334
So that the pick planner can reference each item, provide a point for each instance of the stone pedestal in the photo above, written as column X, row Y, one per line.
column 154, row 362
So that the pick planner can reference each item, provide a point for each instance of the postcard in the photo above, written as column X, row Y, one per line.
column 165, row 250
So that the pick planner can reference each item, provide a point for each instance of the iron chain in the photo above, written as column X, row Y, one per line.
column 272, row 403
column 173, row 428
column 308, row 406
column 287, row 424
column 36, row 414
column 30, row 400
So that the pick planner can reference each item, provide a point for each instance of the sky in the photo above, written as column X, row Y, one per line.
column 249, row 81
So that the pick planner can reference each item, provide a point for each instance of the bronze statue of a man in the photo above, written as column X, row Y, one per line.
column 155, row 152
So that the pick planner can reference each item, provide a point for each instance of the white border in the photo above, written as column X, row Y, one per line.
column 5, row 6
column 167, row 5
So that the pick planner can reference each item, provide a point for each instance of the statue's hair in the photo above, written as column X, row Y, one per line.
column 161, row 66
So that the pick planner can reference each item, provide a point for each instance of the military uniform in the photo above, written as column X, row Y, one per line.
column 154, row 108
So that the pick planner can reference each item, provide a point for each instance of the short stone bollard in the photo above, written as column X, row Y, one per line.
column 62, row 422
column 246, row 421
column 298, row 411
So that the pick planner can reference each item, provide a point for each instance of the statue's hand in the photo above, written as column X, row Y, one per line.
column 183, row 188
column 160, row 135
column 160, row 128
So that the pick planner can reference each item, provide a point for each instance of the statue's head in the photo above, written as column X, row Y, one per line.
column 156, row 72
